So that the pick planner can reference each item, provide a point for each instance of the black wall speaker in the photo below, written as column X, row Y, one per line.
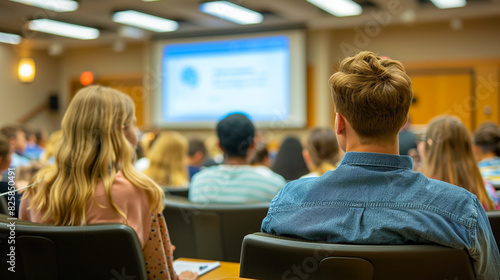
column 53, row 102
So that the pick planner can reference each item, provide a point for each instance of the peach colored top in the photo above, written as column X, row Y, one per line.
column 151, row 228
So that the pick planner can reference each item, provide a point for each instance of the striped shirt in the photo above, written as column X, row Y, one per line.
column 490, row 170
column 235, row 184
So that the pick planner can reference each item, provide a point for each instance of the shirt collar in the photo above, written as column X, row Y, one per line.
column 376, row 159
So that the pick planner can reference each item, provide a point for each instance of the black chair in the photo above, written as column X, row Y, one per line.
column 3, row 205
column 100, row 251
column 169, row 191
column 268, row 257
column 494, row 218
column 211, row 231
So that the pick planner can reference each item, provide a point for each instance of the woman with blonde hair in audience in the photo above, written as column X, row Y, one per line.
column 448, row 156
column 321, row 152
column 93, row 179
column 168, row 160
column 48, row 154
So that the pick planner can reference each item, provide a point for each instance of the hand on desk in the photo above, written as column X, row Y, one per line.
column 188, row 275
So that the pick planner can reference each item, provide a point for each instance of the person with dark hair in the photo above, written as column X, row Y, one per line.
column 5, row 153
column 373, row 196
column 33, row 149
column 197, row 153
column 407, row 139
column 487, row 151
column 5, row 159
column 261, row 156
column 289, row 161
column 235, row 181
column 17, row 139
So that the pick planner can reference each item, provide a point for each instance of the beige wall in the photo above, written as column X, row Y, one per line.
column 18, row 99
column 102, row 61
column 425, row 43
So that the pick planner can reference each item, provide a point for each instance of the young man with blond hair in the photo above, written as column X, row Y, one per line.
column 374, row 197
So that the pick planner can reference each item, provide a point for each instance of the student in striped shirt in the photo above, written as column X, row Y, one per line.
column 487, row 150
column 235, row 181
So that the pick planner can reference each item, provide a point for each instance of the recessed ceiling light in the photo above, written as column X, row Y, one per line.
column 64, row 29
column 145, row 21
column 446, row 4
column 231, row 12
column 339, row 8
column 53, row 5
column 10, row 38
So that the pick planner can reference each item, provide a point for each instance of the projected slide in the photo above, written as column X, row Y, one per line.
column 205, row 80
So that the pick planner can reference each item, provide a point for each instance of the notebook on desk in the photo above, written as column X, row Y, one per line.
column 199, row 267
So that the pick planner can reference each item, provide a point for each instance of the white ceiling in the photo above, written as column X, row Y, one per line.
column 278, row 13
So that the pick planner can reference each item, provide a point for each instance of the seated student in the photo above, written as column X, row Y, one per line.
column 447, row 155
column 407, row 139
column 261, row 156
column 487, row 151
column 197, row 154
column 34, row 149
column 5, row 158
column 235, row 181
column 17, row 139
column 289, row 161
column 374, row 197
column 167, row 160
column 321, row 152
column 93, row 179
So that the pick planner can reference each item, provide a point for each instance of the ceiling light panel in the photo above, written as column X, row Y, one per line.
column 339, row 8
column 446, row 4
column 64, row 29
column 53, row 5
column 145, row 21
column 10, row 38
column 231, row 12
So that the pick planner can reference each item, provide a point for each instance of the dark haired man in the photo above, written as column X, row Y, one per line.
column 235, row 181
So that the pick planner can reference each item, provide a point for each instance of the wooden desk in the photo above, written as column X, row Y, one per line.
column 226, row 271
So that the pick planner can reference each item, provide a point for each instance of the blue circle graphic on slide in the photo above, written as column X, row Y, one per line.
column 189, row 76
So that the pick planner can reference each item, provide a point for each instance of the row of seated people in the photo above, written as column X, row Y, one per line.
column 171, row 153
column 372, row 196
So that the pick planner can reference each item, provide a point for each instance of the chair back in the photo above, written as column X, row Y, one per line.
column 4, row 209
column 211, row 231
column 182, row 191
column 494, row 218
column 100, row 251
column 266, row 257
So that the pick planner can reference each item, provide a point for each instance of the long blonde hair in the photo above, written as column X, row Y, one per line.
column 323, row 149
column 50, row 147
column 92, row 148
column 449, row 157
column 168, row 160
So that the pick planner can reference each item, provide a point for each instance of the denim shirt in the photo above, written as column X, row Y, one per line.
column 377, row 199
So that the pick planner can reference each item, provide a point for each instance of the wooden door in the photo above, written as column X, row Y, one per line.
column 443, row 93
column 130, row 85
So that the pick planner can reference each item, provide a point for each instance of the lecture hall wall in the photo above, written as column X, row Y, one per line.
column 440, row 60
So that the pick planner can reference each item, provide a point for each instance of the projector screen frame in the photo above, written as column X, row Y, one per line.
column 298, row 80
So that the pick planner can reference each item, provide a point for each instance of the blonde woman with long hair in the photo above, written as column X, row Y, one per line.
column 448, row 156
column 168, row 160
column 93, row 179
column 321, row 152
column 48, row 155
